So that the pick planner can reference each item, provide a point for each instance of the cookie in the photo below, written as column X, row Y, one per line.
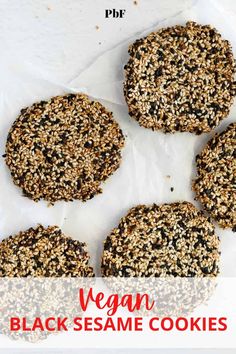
column 215, row 185
column 63, row 149
column 180, row 79
column 169, row 240
column 43, row 252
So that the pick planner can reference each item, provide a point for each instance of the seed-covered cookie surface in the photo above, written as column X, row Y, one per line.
column 160, row 241
column 43, row 252
column 215, row 185
column 63, row 149
column 180, row 78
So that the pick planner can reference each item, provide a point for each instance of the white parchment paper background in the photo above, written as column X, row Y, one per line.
column 148, row 157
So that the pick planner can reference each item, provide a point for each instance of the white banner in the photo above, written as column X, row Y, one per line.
column 113, row 312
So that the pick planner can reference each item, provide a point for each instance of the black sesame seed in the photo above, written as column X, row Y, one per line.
column 88, row 144
column 158, row 72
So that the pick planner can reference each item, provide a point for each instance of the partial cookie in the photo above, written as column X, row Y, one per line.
column 63, row 149
column 160, row 241
column 180, row 78
column 43, row 252
column 215, row 185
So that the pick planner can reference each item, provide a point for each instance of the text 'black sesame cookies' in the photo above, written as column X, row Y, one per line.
column 180, row 78
column 215, row 185
column 169, row 240
column 43, row 252
column 64, row 148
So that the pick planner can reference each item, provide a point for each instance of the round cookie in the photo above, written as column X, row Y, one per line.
column 215, row 185
column 161, row 241
column 63, row 149
column 43, row 252
column 180, row 78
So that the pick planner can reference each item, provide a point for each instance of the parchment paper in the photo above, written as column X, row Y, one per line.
column 148, row 157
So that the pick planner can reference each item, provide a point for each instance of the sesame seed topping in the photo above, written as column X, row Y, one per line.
column 215, row 185
column 169, row 240
column 180, row 78
column 43, row 252
column 63, row 149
